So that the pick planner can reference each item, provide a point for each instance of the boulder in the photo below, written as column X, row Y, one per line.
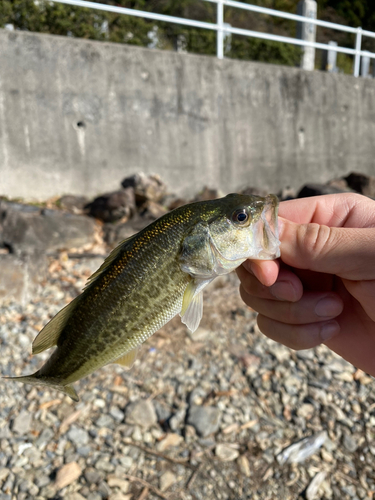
column 208, row 194
column 27, row 229
column 363, row 184
column 21, row 279
column 72, row 203
column 111, row 207
column 318, row 189
column 146, row 187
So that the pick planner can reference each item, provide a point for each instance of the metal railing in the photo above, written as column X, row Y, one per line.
column 222, row 29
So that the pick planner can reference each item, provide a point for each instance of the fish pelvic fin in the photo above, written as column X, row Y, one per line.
column 31, row 379
column 127, row 360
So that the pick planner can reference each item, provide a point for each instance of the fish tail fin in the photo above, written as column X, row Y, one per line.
column 32, row 379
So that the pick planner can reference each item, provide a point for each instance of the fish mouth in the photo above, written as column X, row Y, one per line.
column 267, row 230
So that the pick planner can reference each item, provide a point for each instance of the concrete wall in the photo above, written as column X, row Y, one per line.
column 78, row 116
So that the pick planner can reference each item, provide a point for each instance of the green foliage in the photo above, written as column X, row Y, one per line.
column 256, row 49
column 59, row 19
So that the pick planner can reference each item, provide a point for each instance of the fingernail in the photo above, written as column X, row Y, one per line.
column 282, row 290
column 329, row 330
column 327, row 307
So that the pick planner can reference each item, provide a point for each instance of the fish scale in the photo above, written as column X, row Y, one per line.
column 148, row 279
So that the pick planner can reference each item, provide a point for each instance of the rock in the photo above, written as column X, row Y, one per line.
column 116, row 482
column 306, row 411
column 4, row 473
column 78, row 436
column 22, row 423
column 313, row 488
column 254, row 191
column 74, row 204
column 105, row 421
column 166, row 480
column 116, row 413
column 300, row 451
column 205, row 419
column 114, row 206
column 146, row 187
column 28, row 230
column 126, row 462
column 363, row 184
column 317, row 190
column 137, row 434
column 120, row 496
column 116, row 233
column 141, row 413
column 67, row 475
column 208, row 194
column 91, row 475
column 174, row 202
column 74, row 496
column 104, row 464
column 95, row 496
column 152, row 210
column 169, row 441
column 350, row 443
column 104, row 489
column 44, row 438
column 244, row 466
column 42, row 480
column 200, row 334
column 163, row 412
column 177, row 420
column 226, row 452
column 21, row 278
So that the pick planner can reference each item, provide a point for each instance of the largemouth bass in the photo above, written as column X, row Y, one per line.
column 148, row 279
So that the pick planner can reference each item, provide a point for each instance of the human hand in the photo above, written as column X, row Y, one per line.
column 323, row 287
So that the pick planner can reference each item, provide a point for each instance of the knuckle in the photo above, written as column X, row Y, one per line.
column 314, row 238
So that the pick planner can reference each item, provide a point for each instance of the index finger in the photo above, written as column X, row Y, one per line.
column 334, row 210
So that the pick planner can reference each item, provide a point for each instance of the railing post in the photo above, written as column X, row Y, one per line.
column 307, row 31
column 330, row 58
column 220, row 31
column 365, row 65
column 357, row 59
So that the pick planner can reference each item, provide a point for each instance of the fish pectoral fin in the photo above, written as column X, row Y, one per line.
column 188, row 296
column 128, row 359
column 192, row 303
column 194, row 312
column 50, row 334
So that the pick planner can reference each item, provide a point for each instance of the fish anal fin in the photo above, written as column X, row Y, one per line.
column 69, row 391
column 50, row 334
column 127, row 360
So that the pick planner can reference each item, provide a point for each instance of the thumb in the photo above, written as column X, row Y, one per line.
column 346, row 252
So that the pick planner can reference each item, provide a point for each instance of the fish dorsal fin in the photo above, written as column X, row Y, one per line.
column 192, row 303
column 108, row 261
column 127, row 360
column 50, row 334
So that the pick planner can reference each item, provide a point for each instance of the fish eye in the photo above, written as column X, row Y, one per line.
column 240, row 216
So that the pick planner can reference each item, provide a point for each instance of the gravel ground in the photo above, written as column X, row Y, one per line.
column 199, row 416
